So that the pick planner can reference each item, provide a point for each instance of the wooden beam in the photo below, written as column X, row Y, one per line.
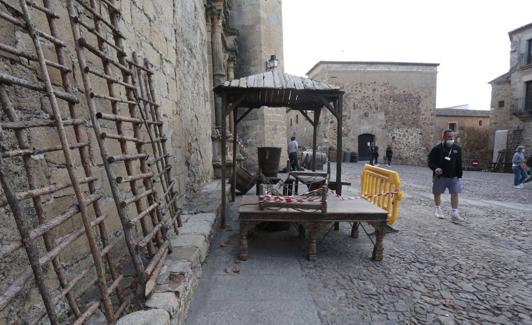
column 224, row 106
column 307, row 117
column 327, row 104
column 243, row 115
column 230, row 106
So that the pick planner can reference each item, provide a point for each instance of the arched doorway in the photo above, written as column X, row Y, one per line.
column 363, row 147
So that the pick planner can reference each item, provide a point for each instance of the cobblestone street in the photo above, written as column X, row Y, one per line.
column 433, row 272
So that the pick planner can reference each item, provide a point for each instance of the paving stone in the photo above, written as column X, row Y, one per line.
column 146, row 317
column 166, row 301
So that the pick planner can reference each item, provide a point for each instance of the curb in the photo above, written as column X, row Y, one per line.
column 171, row 297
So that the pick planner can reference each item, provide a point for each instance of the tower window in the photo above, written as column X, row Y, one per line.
column 479, row 122
column 501, row 103
column 452, row 126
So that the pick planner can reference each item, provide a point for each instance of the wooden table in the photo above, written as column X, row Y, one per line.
column 357, row 210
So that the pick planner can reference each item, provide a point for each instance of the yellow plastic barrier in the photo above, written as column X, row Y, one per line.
column 381, row 187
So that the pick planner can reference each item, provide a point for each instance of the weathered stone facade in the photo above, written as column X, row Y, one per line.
column 260, row 28
column 472, row 128
column 389, row 102
column 176, row 38
column 511, row 102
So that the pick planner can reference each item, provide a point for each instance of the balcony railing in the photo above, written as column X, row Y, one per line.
column 520, row 108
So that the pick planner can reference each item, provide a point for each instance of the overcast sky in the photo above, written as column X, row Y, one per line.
column 469, row 39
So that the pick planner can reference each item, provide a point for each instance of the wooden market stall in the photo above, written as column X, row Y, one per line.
column 276, row 89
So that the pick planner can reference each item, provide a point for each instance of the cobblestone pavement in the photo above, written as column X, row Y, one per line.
column 433, row 271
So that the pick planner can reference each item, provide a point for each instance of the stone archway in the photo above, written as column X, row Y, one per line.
column 363, row 148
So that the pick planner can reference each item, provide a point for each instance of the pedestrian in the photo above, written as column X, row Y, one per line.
column 519, row 167
column 389, row 154
column 374, row 151
column 371, row 150
column 292, row 153
column 445, row 160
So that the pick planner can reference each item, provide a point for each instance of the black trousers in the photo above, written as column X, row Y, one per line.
column 294, row 165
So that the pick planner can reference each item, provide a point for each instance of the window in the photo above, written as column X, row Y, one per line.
column 297, row 119
column 291, row 122
column 452, row 126
column 479, row 122
column 501, row 103
column 529, row 52
column 528, row 97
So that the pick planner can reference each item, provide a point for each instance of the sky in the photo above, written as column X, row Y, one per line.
column 468, row 38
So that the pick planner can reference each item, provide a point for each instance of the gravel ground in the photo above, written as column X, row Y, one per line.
column 433, row 271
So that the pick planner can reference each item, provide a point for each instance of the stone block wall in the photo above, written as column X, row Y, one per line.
column 392, row 101
column 173, row 37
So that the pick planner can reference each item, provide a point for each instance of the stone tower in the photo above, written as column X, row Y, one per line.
column 260, row 34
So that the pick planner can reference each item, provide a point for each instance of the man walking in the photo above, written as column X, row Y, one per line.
column 445, row 160
column 292, row 154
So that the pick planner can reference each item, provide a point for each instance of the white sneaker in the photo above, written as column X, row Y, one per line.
column 456, row 218
column 439, row 213
column 519, row 186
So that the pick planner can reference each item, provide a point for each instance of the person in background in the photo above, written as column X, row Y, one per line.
column 292, row 154
column 389, row 154
column 375, row 155
column 519, row 167
column 445, row 160
column 371, row 150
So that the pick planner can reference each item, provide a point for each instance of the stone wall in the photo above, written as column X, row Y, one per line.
column 508, row 94
column 260, row 28
column 392, row 101
column 173, row 37
column 472, row 133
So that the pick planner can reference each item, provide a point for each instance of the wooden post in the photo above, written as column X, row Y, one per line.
column 233, row 182
column 224, row 131
column 314, row 137
column 339, row 157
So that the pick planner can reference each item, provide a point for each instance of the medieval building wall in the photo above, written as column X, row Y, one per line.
column 391, row 102
column 508, row 93
column 173, row 36
column 260, row 30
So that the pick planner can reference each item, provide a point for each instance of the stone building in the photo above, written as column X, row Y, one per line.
column 192, row 46
column 260, row 28
column 390, row 103
column 511, row 98
column 472, row 129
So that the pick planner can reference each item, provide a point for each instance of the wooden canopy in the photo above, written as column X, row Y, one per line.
column 277, row 89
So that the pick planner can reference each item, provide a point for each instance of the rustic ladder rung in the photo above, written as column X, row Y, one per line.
column 112, row 99
column 147, row 239
column 91, row 29
column 32, row 152
column 114, row 285
column 162, row 172
column 105, row 135
column 97, row 16
column 83, row 43
column 44, row 190
column 108, row 77
column 157, row 159
column 156, row 258
column 61, row 218
column 9, row 247
column 135, row 198
column 62, row 243
column 47, row 11
column 38, row 123
column 71, row 284
column 149, row 101
column 87, row 313
column 12, row 20
column 31, row 57
column 170, row 188
column 50, row 38
column 15, row 288
column 126, row 157
column 144, row 213
column 8, row 79
column 156, row 140
column 132, row 178
column 115, row 117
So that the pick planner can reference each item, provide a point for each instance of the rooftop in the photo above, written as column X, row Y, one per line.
column 452, row 111
column 520, row 29
column 374, row 63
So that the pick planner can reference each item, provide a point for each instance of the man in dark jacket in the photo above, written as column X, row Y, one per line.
column 445, row 160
